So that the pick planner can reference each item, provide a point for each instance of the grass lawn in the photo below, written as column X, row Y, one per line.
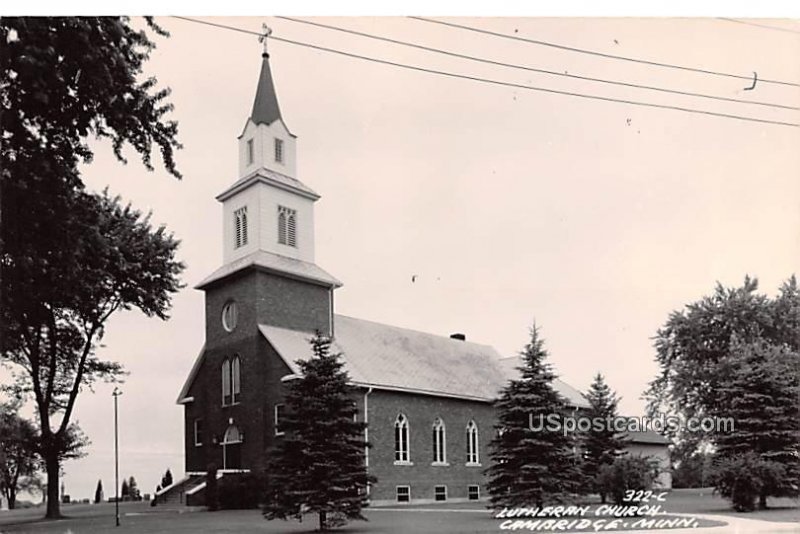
column 440, row 518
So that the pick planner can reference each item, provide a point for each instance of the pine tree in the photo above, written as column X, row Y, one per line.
column 166, row 480
column 759, row 388
column 531, row 465
column 124, row 491
column 133, row 489
column 319, row 465
column 601, row 444
column 98, row 492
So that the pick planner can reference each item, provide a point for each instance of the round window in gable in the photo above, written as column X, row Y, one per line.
column 230, row 315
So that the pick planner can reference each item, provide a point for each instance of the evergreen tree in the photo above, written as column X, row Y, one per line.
column 319, row 465
column 166, row 480
column 98, row 492
column 531, row 463
column 133, row 489
column 601, row 444
column 124, row 491
column 759, row 387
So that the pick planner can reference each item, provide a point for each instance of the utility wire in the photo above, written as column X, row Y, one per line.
column 599, row 54
column 758, row 25
column 494, row 82
column 534, row 69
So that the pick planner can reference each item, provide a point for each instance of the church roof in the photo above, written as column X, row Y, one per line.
column 647, row 437
column 265, row 106
column 276, row 263
column 393, row 358
column 276, row 179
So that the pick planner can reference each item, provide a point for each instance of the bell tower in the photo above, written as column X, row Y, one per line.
column 268, row 227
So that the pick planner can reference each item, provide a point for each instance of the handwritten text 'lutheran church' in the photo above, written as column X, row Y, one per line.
column 426, row 398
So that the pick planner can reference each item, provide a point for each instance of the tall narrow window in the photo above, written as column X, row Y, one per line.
column 287, row 226
column 236, row 380
column 232, row 448
column 240, row 227
column 439, row 444
column 278, row 419
column 401, row 439
column 279, row 150
column 250, row 152
column 198, row 432
column 226, row 381
column 472, row 444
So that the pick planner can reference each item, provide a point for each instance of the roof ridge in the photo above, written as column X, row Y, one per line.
column 444, row 337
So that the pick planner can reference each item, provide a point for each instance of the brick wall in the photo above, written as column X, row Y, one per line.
column 421, row 411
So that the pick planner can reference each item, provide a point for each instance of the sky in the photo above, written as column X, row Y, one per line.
column 594, row 219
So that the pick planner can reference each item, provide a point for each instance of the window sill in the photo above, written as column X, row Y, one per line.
column 280, row 433
column 473, row 464
column 237, row 403
column 198, row 444
column 440, row 464
column 403, row 462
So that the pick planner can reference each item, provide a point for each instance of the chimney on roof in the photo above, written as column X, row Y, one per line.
column 460, row 337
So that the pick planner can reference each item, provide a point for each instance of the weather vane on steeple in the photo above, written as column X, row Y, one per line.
column 263, row 38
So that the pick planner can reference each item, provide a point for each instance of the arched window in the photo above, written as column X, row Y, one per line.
column 439, row 442
column 401, row 439
column 236, row 379
column 226, row 381
column 231, row 380
column 472, row 444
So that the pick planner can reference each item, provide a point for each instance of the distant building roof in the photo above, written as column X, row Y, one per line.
column 648, row 437
column 393, row 358
column 270, row 262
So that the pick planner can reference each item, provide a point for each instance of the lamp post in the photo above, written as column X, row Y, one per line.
column 116, row 394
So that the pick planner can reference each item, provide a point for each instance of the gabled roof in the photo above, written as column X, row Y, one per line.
column 392, row 358
column 398, row 359
column 270, row 262
column 265, row 107
column 574, row 397
column 270, row 177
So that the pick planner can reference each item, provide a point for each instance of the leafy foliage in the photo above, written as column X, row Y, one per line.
column 601, row 444
column 626, row 473
column 742, row 478
column 694, row 343
column 693, row 471
column 64, row 80
column 531, row 466
column 319, row 465
column 18, row 460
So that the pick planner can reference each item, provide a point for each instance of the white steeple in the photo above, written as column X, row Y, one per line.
column 268, row 209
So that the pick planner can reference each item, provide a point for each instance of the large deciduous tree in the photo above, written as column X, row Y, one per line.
column 68, row 259
column 694, row 343
column 531, row 463
column 319, row 465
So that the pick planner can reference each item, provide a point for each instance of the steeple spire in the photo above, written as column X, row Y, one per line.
column 265, row 106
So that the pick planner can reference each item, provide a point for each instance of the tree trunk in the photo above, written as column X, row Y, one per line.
column 12, row 499
column 762, row 501
column 323, row 520
column 53, row 498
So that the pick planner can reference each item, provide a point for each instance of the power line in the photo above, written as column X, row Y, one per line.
column 599, row 54
column 758, row 25
column 496, row 82
column 534, row 69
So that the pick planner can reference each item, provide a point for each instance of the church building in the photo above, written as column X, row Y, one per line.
column 427, row 399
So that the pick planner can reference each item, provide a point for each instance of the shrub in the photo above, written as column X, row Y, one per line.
column 240, row 491
column 743, row 478
column 626, row 473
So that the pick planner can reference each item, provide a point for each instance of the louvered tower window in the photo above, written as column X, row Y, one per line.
column 287, row 226
column 240, row 227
